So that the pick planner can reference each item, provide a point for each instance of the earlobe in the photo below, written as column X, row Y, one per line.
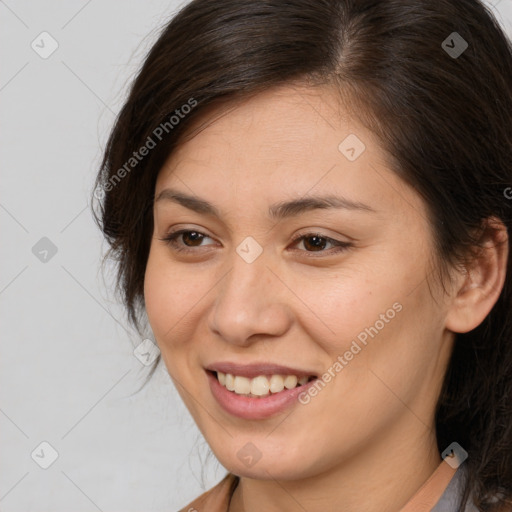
column 481, row 281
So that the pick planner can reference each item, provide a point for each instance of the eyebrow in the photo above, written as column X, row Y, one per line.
column 281, row 210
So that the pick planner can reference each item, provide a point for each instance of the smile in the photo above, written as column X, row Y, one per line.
column 259, row 397
column 262, row 385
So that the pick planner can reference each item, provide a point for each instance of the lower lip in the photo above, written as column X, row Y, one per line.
column 254, row 408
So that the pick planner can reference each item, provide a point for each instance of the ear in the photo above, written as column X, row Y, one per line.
column 480, row 282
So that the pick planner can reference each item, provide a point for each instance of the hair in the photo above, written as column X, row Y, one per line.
column 445, row 121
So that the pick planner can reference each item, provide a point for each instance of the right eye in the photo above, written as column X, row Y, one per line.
column 194, row 236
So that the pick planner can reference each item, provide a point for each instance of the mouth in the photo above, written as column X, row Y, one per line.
column 261, row 386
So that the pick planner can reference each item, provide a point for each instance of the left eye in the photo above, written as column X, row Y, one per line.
column 314, row 241
column 318, row 242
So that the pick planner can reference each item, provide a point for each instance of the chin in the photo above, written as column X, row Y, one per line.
column 269, row 468
column 265, row 471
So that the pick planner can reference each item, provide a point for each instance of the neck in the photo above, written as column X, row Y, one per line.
column 382, row 478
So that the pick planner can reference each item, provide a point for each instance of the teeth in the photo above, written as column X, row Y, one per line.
column 242, row 385
column 276, row 383
column 230, row 382
column 261, row 385
column 290, row 381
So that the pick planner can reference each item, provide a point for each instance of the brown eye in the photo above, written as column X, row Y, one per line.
column 315, row 242
column 190, row 238
column 312, row 242
column 318, row 243
column 194, row 236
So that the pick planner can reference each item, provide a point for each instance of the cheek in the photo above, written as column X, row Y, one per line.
column 376, row 319
column 354, row 308
column 157, row 297
column 167, row 297
column 175, row 295
column 168, row 291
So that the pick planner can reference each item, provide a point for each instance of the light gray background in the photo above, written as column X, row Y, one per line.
column 67, row 362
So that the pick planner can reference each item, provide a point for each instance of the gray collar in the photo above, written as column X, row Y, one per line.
column 452, row 496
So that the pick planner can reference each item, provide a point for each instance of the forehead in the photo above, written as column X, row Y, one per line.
column 281, row 144
column 288, row 128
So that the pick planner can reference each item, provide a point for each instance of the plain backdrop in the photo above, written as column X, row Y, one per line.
column 68, row 369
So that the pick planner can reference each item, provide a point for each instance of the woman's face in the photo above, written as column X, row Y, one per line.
column 348, row 303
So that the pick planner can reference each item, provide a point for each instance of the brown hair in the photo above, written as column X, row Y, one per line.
column 445, row 119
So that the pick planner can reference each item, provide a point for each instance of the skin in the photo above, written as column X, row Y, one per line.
column 367, row 440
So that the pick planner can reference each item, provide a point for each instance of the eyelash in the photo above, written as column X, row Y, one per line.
column 340, row 246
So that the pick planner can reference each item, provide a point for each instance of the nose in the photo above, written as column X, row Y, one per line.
column 251, row 303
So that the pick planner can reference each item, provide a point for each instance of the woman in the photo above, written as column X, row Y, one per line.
column 311, row 203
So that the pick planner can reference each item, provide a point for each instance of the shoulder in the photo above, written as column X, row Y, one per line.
column 217, row 498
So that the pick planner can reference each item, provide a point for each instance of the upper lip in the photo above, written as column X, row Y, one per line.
column 254, row 370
